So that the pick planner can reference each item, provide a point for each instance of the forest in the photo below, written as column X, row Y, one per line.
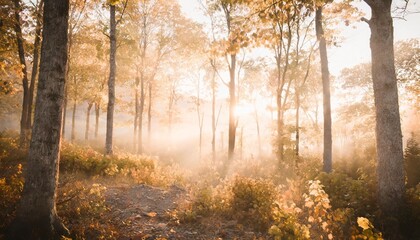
column 209, row 119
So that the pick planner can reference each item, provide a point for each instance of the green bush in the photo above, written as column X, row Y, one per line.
column 252, row 202
column 346, row 192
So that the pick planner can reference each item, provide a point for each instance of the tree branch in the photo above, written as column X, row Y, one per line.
column 122, row 14
column 363, row 19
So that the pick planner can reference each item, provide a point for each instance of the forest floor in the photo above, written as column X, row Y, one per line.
column 146, row 212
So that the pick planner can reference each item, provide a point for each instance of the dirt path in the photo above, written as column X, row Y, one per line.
column 144, row 212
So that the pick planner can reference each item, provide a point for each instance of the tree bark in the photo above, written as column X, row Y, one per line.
column 35, row 65
column 213, row 113
column 36, row 215
column 232, row 106
column 136, row 113
column 141, row 110
column 63, row 128
column 90, row 105
column 149, row 114
column 25, row 101
column 391, row 175
column 111, row 83
column 73, row 122
column 297, row 123
column 257, row 123
column 327, row 156
column 97, row 112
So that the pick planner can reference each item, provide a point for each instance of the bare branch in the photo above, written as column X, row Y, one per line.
column 363, row 19
column 122, row 14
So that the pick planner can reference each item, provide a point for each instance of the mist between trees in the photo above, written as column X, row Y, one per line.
column 249, row 84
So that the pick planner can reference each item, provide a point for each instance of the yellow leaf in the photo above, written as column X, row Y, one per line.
column 151, row 214
column 363, row 223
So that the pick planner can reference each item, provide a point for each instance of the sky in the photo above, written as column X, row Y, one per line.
column 355, row 47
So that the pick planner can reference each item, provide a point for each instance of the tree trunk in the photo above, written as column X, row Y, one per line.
column 213, row 116
column 63, row 133
column 37, row 44
column 280, row 144
column 111, row 82
column 73, row 122
column 97, row 112
column 36, row 216
column 232, row 106
column 90, row 105
column 149, row 114
column 136, row 113
column 327, row 156
column 257, row 122
column 141, row 110
column 143, row 48
column 297, row 92
column 391, row 175
column 20, row 42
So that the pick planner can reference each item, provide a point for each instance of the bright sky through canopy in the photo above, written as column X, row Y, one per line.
column 355, row 47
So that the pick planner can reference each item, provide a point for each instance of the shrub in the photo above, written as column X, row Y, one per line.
column 82, row 207
column 10, row 191
column 286, row 224
column 345, row 192
column 252, row 202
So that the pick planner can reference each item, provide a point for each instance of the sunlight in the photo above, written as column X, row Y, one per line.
column 244, row 109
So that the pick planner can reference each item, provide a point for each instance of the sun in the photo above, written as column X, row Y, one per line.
column 257, row 104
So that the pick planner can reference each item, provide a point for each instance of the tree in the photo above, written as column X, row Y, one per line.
column 20, row 47
column 35, row 64
column 390, row 159
column 235, row 38
column 76, row 16
column 111, row 80
column 37, row 216
column 327, row 155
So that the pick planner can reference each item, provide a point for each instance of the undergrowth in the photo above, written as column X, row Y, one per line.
column 81, row 191
column 280, row 201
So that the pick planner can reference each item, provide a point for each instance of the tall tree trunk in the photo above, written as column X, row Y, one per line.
column 141, row 110
column 63, row 133
column 143, row 48
column 90, row 105
column 391, row 175
column 149, row 114
column 37, row 44
column 73, row 122
column 257, row 122
column 136, row 113
column 327, row 156
column 19, row 39
column 280, row 142
column 36, row 216
column 297, row 93
column 111, row 82
column 66, row 90
column 232, row 106
column 97, row 112
column 213, row 115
